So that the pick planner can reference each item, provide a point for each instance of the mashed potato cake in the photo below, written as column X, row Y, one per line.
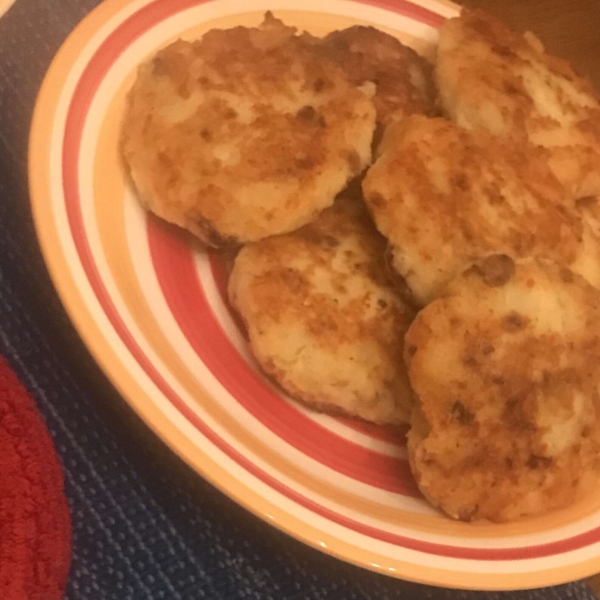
column 444, row 197
column 322, row 319
column 492, row 78
column 505, row 369
column 245, row 133
column 404, row 79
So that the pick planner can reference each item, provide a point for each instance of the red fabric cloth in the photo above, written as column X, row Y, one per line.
column 35, row 526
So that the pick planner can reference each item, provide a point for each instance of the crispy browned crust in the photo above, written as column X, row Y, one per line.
column 444, row 196
column 404, row 79
column 493, row 78
column 323, row 320
column 505, row 369
column 245, row 133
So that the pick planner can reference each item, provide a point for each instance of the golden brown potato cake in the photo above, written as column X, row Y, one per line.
column 444, row 197
column 404, row 79
column 492, row 78
column 322, row 319
column 505, row 369
column 246, row 133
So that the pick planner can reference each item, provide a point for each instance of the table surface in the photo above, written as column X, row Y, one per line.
column 144, row 525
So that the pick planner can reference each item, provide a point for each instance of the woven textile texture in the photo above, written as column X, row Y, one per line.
column 35, row 525
column 144, row 526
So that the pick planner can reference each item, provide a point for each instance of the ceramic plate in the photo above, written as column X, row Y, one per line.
column 151, row 309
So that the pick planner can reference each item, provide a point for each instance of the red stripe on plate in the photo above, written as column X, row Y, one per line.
column 388, row 434
column 78, row 109
column 408, row 9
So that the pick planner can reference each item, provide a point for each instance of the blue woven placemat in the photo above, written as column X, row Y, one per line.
column 144, row 526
